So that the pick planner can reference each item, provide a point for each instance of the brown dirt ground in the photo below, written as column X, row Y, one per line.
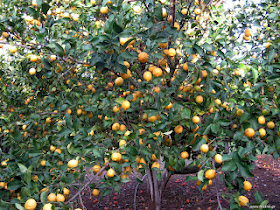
column 180, row 194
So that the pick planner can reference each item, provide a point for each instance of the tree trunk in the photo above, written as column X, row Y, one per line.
column 155, row 194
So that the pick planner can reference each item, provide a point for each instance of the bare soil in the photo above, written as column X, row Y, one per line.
column 180, row 194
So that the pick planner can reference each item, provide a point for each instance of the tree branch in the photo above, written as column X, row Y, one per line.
column 87, row 183
column 135, row 192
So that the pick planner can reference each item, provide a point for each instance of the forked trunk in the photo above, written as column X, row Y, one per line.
column 155, row 192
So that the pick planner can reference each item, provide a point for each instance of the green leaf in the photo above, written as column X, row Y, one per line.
column 46, row 64
column 25, row 192
column 118, row 29
column 229, row 166
column 207, row 129
column 255, row 73
column 22, row 168
column 258, row 197
column 45, row 8
column 186, row 113
column 20, row 207
column 200, row 175
column 120, row 100
column 244, row 170
column 106, row 192
column 14, row 185
column 64, row 132
column 191, row 178
column 59, row 49
column 271, row 55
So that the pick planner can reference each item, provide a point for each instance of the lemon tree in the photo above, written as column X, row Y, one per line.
column 154, row 87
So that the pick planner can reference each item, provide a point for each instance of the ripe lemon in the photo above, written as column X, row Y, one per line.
column 176, row 25
column 152, row 119
column 218, row 101
column 122, row 142
column 53, row 57
column 126, row 75
column 185, row 67
column 60, row 198
column 239, row 112
column 184, row 11
column 30, row 204
column 122, row 127
column 52, row 148
column 66, row 191
column 141, row 131
column 111, row 172
column 48, row 120
column 104, row 10
column 32, row 71
column 210, row 182
column 184, row 155
column 270, row 125
column 248, row 32
column 197, row 11
column 218, row 158
column 171, row 52
column 147, row 76
column 5, row 34
column 96, row 168
column 47, row 206
column 155, row 165
column 123, row 40
column 261, row 120
column 116, row 156
column 69, row 111
column 262, row 132
column 24, row 127
column 247, row 38
column 125, row 105
column 119, row 81
column 52, row 197
column 137, row 9
column 204, row 148
column 249, row 132
column 95, row 192
column 210, row 174
column 163, row 45
column 72, row 163
column 178, row 129
column 126, row 64
column 196, row 119
column 199, row 99
column 13, row 49
column 243, row 201
column 204, row 188
column 157, row 72
column 143, row 57
column 164, row 12
column 116, row 127
column 247, row 186
column 33, row 58
column 116, row 109
column 43, row 163
column 169, row 106
column 204, row 74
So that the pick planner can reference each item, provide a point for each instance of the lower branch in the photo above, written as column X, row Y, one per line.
column 135, row 192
